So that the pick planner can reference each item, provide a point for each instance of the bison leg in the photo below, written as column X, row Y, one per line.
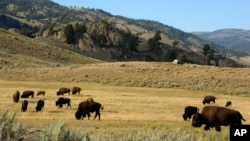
column 68, row 105
column 60, row 105
column 97, row 113
column 88, row 115
column 207, row 127
column 217, row 128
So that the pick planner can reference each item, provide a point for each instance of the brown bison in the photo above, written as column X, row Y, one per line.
column 16, row 96
column 24, row 105
column 87, row 107
column 76, row 90
column 229, row 103
column 215, row 116
column 62, row 91
column 60, row 101
column 208, row 99
column 40, row 105
column 40, row 92
column 189, row 111
column 27, row 93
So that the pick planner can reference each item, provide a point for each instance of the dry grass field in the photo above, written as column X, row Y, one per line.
column 137, row 96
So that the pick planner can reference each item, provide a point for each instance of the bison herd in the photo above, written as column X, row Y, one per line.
column 84, row 108
column 212, row 116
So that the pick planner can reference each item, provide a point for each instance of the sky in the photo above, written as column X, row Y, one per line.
column 186, row 15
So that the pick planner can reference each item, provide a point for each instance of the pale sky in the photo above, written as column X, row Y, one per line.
column 186, row 15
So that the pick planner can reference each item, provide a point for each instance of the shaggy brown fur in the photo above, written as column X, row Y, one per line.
column 27, row 94
column 76, row 90
column 208, row 99
column 24, row 106
column 62, row 91
column 40, row 92
column 215, row 116
column 189, row 111
column 87, row 107
column 16, row 96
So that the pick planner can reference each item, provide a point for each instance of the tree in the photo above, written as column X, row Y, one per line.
column 208, row 52
column 69, row 33
column 175, row 42
column 155, row 41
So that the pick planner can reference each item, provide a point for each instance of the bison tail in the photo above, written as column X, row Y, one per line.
column 102, row 107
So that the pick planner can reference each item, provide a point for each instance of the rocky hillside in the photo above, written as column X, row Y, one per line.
column 100, row 35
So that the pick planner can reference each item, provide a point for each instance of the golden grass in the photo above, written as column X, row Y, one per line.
column 136, row 96
column 125, row 108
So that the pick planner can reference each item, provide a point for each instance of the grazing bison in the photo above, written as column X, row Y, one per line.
column 60, row 101
column 215, row 116
column 40, row 105
column 87, row 107
column 189, row 111
column 16, row 96
column 76, row 90
column 229, row 103
column 62, row 91
column 208, row 99
column 40, row 92
column 27, row 93
column 24, row 105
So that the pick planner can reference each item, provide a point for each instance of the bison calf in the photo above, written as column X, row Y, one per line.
column 40, row 92
column 189, row 111
column 208, row 99
column 40, row 105
column 24, row 105
column 16, row 96
column 215, row 116
column 60, row 101
column 229, row 103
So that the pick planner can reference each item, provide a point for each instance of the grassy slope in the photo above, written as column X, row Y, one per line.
column 21, row 52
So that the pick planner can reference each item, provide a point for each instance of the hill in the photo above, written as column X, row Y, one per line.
column 236, row 39
column 100, row 35
column 18, row 51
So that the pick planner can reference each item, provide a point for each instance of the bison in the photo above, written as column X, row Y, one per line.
column 40, row 92
column 60, row 101
column 76, row 90
column 24, row 105
column 62, row 91
column 215, row 116
column 208, row 99
column 40, row 105
column 16, row 96
column 189, row 111
column 27, row 93
column 229, row 103
column 87, row 107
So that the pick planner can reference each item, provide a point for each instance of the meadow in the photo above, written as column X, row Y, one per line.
column 132, row 110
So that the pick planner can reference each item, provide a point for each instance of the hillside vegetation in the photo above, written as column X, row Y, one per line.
column 107, row 37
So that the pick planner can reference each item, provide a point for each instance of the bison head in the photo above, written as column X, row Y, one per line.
column 57, row 103
column 78, row 115
column 184, row 116
column 197, row 120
